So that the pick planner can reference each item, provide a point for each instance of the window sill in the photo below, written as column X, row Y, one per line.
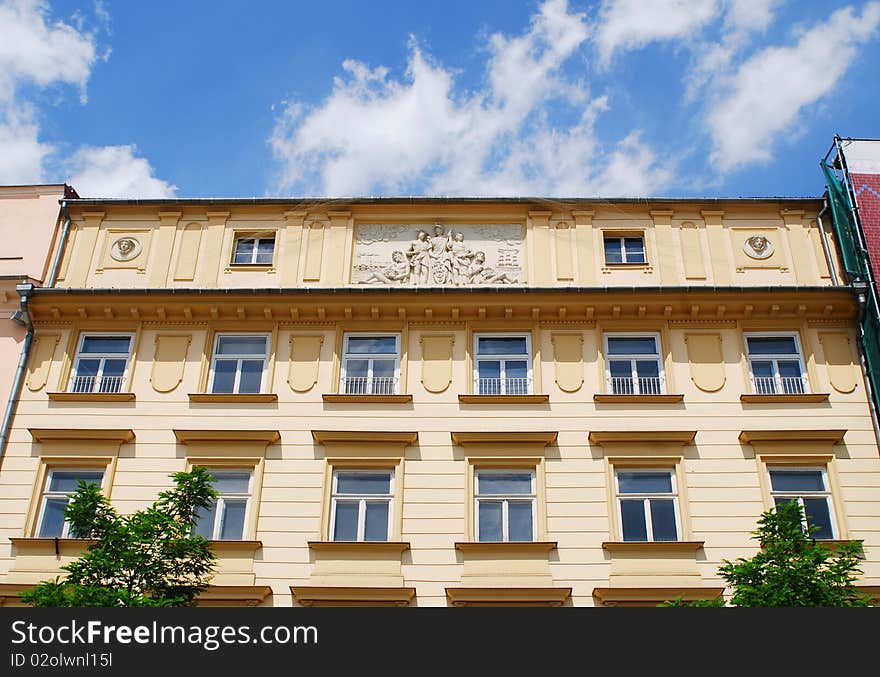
column 91, row 397
column 500, row 597
column 34, row 546
column 503, row 399
column 233, row 595
column 652, row 546
column 352, row 596
column 389, row 547
column 784, row 399
column 227, row 546
column 637, row 399
column 231, row 398
column 261, row 267
column 505, row 548
column 367, row 399
column 651, row 597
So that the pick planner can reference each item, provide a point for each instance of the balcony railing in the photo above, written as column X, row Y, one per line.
column 503, row 386
column 642, row 385
column 781, row 385
column 106, row 384
column 364, row 385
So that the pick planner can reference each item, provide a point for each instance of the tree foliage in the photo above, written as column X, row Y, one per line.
column 792, row 569
column 149, row 559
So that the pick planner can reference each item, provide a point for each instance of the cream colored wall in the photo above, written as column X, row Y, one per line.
column 688, row 244
column 33, row 210
column 11, row 337
column 722, row 476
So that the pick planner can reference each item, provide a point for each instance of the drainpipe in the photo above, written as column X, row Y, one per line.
column 825, row 247
column 21, row 317
column 62, row 245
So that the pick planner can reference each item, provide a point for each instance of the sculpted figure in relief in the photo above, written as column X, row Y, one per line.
column 398, row 272
column 479, row 273
column 419, row 255
column 460, row 257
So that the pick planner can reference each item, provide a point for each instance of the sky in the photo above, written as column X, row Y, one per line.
column 555, row 98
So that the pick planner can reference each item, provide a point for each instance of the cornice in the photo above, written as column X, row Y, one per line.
column 603, row 438
column 352, row 595
column 509, row 437
column 120, row 435
column 365, row 437
column 190, row 436
column 834, row 436
column 539, row 596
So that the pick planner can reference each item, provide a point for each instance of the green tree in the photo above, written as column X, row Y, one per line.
column 792, row 568
column 149, row 559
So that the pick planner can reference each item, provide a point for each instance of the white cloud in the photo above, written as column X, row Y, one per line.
column 375, row 133
column 21, row 153
column 114, row 171
column 766, row 96
column 631, row 24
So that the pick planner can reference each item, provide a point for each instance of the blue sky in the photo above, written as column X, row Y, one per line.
column 612, row 98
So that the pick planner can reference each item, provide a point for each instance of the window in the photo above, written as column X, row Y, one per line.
column 502, row 364
column 809, row 487
column 101, row 363
column 254, row 251
column 647, row 505
column 361, row 505
column 226, row 519
column 624, row 250
column 633, row 364
column 505, row 505
column 775, row 364
column 60, row 484
column 370, row 364
column 239, row 363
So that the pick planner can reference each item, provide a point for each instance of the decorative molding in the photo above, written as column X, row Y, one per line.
column 803, row 398
column 503, row 399
column 352, row 596
column 504, row 437
column 364, row 437
column 682, row 437
column 805, row 436
column 653, row 596
column 508, row 548
column 191, row 436
column 702, row 324
column 652, row 547
column 541, row 596
column 233, row 595
column 91, row 397
column 120, row 435
column 388, row 547
column 366, row 399
column 220, row 548
column 637, row 399
column 232, row 398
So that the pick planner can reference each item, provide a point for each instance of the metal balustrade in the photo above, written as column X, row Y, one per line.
column 106, row 384
column 642, row 385
column 779, row 385
column 364, row 385
column 503, row 386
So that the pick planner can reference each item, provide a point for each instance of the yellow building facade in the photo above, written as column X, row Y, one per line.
column 448, row 402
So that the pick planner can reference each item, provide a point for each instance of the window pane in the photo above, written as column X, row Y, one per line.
column 762, row 369
column 797, row 480
column 613, row 253
column 502, row 345
column 232, row 482
column 645, row 482
column 114, row 367
column 265, row 250
column 205, row 521
column 620, row 368
column 233, row 520
column 516, row 368
column 106, row 344
column 635, row 250
column 224, row 376
column 789, row 368
column 663, row 520
column 632, row 515
column 360, row 484
column 376, row 526
column 87, row 368
column 372, row 345
column 490, row 521
column 68, row 480
column 519, row 521
column 504, row 484
column 244, row 249
column 771, row 345
column 53, row 518
column 818, row 515
column 251, row 376
column 632, row 345
column 241, row 345
column 356, row 368
column 489, row 368
column 346, row 527
column 383, row 368
column 648, row 368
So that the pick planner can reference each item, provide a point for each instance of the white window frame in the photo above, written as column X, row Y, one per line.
column 503, row 359
column 239, row 358
column 47, row 494
column 362, row 500
column 777, row 379
column 103, row 357
column 257, row 239
column 646, row 498
column 346, row 356
column 620, row 239
column 220, row 511
column 505, row 498
column 633, row 358
column 826, row 494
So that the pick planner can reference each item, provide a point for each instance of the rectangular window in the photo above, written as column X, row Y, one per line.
column 361, row 505
column 633, row 364
column 226, row 519
column 101, row 363
column 809, row 487
column 371, row 364
column 776, row 365
column 254, row 251
column 239, row 363
column 624, row 250
column 505, row 505
column 647, row 504
column 60, row 484
column 502, row 364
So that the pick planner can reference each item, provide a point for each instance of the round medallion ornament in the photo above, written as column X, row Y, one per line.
column 758, row 247
column 125, row 249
